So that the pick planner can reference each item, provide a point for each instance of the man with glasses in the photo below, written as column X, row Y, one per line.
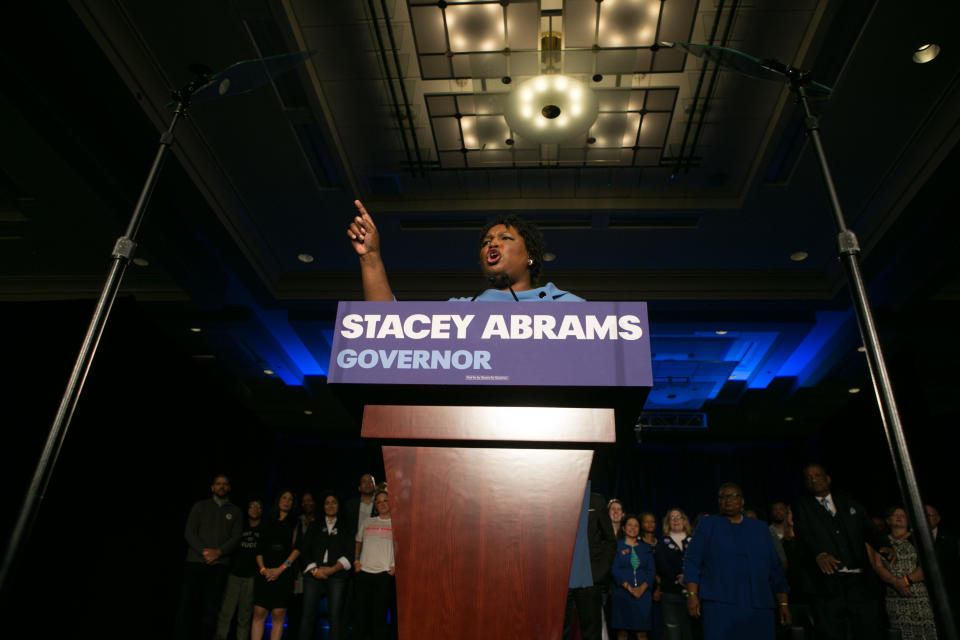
column 733, row 574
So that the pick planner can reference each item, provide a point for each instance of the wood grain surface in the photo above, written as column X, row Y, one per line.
column 523, row 424
column 484, row 539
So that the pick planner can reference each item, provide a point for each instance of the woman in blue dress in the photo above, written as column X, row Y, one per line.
column 732, row 573
column 633, row 574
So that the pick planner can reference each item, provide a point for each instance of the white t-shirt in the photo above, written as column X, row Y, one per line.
column 376, row 539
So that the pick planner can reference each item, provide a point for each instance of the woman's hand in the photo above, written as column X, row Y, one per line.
column 363, row 232
column 693, row 605
column 783, row 612
column 916, row 575
column 272, row 574
column 357, row 566
column 902, row 588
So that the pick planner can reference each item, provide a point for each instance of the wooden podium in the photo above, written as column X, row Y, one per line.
column 485, row 500
column 484, row 535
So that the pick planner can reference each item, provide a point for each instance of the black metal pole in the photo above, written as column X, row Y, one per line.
column 122, row 253
column 848, row 250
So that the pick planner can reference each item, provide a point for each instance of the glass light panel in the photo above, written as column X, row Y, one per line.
column 630, row 129
column 475, row 27
column 581, row 23
column 441, row 105
column 428, row 29
column 447, row 133
column 493, row 132
column 526, row 63
column 522, row 25
column 613, row 100
column 636, row 100
column 575, row 62
column 608, row 130
column 613, row 62
column 465, row 104
column 653, row 131
column 471, row 138
column 677, row 21
column 661, row 99
column 488, row 103
column 481, row 65
column 628, row 23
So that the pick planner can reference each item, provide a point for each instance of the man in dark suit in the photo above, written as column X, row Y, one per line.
column 947, row 548
column 832, row 530
column 593, row 558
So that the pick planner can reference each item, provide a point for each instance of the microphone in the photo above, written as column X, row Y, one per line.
column 499, row 281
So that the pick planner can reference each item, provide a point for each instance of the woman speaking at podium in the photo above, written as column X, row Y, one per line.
column 511, row 257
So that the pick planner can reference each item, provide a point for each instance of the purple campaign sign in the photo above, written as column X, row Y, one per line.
column 585, row 344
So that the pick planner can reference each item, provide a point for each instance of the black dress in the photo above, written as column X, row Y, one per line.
column 278, row 538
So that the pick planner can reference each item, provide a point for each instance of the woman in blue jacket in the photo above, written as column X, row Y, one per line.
column 633, row 574
column 733, row 572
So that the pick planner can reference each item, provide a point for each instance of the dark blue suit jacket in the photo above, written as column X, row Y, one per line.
column 712, row 556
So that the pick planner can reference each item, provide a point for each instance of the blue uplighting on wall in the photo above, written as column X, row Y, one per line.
column 693, row 363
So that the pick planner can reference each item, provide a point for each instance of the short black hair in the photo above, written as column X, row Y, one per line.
column 730, row 485
column 532, row 239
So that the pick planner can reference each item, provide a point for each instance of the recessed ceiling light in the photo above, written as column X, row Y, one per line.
column 269, row 372
column 853, row 390
column 549, row 257
column 861, row 348
column 305, row 257
column 307, row 412
column 788, row 419
column 141, row 262
column 196, row 329
column 925, row 53
column 799, row 256
column 721, row 332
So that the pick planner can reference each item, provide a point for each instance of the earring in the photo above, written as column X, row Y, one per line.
column 529, row 262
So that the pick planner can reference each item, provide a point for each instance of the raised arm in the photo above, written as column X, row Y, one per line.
column 365, row 239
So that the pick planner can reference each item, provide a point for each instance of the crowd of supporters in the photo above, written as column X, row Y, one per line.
column 822, row 567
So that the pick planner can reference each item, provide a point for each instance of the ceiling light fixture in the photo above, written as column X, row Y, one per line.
column 268, row 372
column 853, row 390
column 141, row 262
column 196, row 329
column 307, row 412
column 551, row 108
column 799, row 256
column 549, row 257
column 861, row 349
column 305, row 257
column 721, row 332
column 788, row 419
column 925, row 53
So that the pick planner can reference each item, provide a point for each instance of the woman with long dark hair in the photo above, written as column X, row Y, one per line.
column 278, row 549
